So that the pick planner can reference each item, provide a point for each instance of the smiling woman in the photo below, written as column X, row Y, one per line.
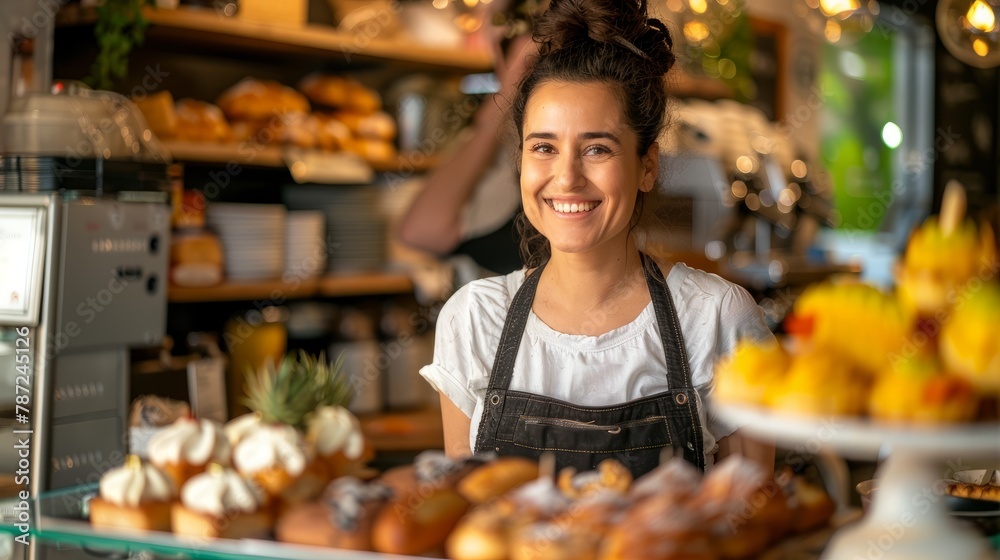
column 595, row 351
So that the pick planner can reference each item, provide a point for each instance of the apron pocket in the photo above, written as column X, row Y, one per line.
column 560, row 434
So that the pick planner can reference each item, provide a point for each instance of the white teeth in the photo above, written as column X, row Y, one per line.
column 570, row 208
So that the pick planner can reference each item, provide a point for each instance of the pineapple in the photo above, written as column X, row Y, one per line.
column 300, row 385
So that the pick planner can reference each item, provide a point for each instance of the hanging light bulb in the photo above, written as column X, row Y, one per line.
column 839, row 21
column 969, row 30
column 838, row 8
column 980, row 17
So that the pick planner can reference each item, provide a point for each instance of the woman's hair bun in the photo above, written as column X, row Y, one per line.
column 570, row 24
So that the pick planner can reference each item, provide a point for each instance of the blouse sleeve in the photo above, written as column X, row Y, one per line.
column 449, row 372
column 739, row 318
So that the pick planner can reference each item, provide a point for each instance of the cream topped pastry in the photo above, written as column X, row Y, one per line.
column 221, row 491
column 136, row 483
column 271, row 446
column 241, row 426
column 195, row 442
column 333, row 428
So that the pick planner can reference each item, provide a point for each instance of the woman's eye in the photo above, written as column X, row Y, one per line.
column 542, row 148
column 598, row 150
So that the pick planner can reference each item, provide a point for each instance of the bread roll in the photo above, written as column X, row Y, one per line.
column 497, row 478
column 376, row 152
column 415, row 524
column 199, row 121
column 340, row 92
column 373, row 126
column 160, row 113
column 342, row 519
column 257, row 100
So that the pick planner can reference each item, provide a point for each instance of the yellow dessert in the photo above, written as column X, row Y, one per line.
column 745, row 375
column 918, row 391
column 970, row 339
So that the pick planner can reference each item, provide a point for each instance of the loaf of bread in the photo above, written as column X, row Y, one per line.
column 199, row 121
column 340, row 92
column 373, row 126
column 258, row 100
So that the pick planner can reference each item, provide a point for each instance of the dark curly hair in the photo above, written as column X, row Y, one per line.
column 612, row 42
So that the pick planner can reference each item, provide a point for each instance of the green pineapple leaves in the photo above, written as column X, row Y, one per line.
column 300, row 385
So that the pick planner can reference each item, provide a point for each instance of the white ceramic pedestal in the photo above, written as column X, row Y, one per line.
column 909, row 518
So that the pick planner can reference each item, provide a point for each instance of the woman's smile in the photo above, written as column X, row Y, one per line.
column 569, row 207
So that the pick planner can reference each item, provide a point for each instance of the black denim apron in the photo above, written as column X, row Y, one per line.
column 634, row 433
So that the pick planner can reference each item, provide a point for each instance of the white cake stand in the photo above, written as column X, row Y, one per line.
column 909, row 519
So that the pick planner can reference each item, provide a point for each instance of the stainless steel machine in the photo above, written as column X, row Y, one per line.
column 84, row 242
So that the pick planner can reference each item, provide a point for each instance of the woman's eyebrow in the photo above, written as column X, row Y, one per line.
column 596, row 135
column 542, row 135
column 581, row 136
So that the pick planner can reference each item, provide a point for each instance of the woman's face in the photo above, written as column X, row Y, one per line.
column 580, row 171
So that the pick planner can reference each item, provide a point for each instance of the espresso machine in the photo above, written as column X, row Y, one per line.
column 84, row 242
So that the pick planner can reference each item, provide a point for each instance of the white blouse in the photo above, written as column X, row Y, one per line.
column 624, row 364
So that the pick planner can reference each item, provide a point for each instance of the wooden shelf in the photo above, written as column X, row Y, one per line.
column 247, row 154
column 207, row 28
column 337, row 285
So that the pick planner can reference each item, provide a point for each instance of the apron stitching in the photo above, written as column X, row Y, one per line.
column 609, row 452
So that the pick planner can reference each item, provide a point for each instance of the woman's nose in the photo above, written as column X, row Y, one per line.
column 568, row 173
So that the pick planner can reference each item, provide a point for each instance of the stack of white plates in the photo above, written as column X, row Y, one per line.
column 305, row 246
column 356, row 229
column 253, row 239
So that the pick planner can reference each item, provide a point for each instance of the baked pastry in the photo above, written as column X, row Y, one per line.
column 241, row 427
column 485, row 533
column 342, row 518
column 276, row 457
column 340, row 92
column 136, row 495
column 187, row 446
column 336, row 438
column 331, row 134
column 258, row 100
column 221, row 503
column 199, row 121
column 373, row 126
column 553, row 541
column 195, row 258
column 610, row 475
column 496, row 478
column 418, row 522
column 376, row 152
column 974, row 491
column 160, row 113
column 811, row 506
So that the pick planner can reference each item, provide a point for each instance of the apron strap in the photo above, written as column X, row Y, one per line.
column 678, row 370
column 513, row 329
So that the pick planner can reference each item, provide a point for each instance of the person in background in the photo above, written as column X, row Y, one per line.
column 596, row 350
column 468, row 203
